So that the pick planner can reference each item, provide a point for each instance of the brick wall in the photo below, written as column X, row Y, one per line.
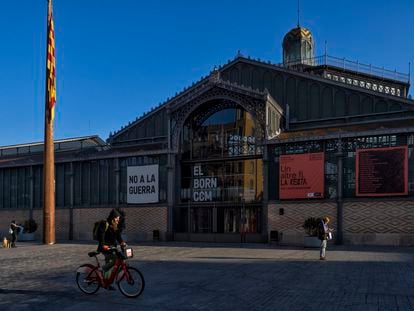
column 379, row 223
column 6, row 216
column 388, row 222
column 289, row 225
column 140, row 222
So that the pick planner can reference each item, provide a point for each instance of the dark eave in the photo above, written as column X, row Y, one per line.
column 359, row 130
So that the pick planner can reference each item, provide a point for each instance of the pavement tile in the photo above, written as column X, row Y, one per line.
column 201, row 276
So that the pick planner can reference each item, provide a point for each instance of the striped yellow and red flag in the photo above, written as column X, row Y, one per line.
column 51, row 66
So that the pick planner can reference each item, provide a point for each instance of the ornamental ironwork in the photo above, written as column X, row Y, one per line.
column 225, row 95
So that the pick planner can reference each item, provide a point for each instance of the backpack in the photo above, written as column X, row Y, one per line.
column 99, row 224
column 320, row 230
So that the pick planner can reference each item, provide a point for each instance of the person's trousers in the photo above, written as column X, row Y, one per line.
column 14, row 239
column 109, row 263
column 323, row 248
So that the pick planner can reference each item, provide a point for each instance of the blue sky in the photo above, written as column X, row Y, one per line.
column 118, row 58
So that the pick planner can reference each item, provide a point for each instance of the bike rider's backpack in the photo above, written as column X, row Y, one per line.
column 96, row 226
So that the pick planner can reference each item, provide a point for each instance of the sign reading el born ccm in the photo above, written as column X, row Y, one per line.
column 301, row 176
column 142, row 184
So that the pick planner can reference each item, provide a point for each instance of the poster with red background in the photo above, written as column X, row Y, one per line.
column 301, row 176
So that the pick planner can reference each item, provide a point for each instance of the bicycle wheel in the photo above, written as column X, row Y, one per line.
column 87, row 279
column 131, row 286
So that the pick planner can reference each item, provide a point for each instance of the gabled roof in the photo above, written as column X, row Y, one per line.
column 306, row 75
column 194, row 90
column 188, row 91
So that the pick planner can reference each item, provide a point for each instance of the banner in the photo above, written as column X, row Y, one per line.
column 382, row 171
column 142, row 184
column 49, row 204
column 50, row 65
column 302, row 176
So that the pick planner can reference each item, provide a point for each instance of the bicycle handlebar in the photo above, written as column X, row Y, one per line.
column 120, row 253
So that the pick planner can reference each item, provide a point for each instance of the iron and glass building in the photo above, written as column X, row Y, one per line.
column 254, row 146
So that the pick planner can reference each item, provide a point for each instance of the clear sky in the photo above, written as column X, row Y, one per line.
column 118, row 58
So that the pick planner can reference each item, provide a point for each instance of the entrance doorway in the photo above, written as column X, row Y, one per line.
column 224, row 219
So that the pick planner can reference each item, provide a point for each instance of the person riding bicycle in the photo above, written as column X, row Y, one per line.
column 109, row 234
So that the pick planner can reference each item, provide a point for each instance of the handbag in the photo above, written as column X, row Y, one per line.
column 329, row 237
column 10, row 231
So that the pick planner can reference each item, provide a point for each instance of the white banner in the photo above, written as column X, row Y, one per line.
column 142, row 184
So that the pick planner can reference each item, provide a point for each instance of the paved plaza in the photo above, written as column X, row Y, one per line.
column 189, row 276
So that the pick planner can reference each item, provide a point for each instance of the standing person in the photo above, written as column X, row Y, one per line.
column 243, row 228
column 109, row 234
column 14, row 230
column 323, row 231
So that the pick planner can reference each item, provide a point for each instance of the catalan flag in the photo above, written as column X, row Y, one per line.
column 49, row 227
column 51, row 66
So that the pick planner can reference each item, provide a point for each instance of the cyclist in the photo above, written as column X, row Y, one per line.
column 109, row 234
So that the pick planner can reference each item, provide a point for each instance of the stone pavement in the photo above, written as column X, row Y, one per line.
column 199, row 276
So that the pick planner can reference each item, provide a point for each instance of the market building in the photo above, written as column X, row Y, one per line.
column 253, row 148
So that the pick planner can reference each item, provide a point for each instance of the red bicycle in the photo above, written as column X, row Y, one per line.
column 130, row 280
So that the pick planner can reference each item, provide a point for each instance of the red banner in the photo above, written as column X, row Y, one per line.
column 382, row 171
column 301, row 176
column 50, row 65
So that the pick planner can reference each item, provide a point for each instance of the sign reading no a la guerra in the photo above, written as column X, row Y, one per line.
column 142, row 184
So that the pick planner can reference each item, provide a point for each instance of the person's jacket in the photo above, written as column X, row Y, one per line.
column 322, row 231
column 14, row 227
column 108, row 237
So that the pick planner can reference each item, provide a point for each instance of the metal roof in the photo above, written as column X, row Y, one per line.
column 66, row 144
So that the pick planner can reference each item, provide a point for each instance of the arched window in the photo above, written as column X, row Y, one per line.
column 228, row 132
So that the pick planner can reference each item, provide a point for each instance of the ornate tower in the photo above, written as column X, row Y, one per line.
column 298, row 48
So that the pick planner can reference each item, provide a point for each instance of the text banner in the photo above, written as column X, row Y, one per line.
column 382, row 171
column 142, row 184
column 301, row 176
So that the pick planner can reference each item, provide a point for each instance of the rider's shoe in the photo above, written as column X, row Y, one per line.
column 110, row 287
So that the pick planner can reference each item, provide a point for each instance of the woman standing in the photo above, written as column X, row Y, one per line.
column 324, row 231
column 14, row 230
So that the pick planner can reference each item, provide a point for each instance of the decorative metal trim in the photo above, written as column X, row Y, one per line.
column 228, row 95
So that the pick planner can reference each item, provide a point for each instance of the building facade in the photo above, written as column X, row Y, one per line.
column 253, row 148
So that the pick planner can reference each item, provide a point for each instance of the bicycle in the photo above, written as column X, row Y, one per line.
column 130, row 280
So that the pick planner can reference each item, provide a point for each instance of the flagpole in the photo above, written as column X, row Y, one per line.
column 49, row 156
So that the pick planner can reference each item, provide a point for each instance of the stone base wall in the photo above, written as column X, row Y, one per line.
column 6, row 216
column 289, row 225
column 379, row 223
column 365, row 222
column 140, row 222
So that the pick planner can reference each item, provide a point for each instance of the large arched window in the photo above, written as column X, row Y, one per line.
column 221, row 156
column 229, row 132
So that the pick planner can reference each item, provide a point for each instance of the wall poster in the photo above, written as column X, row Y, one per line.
column 382, row 171
column 302, row 176
column 142, row 184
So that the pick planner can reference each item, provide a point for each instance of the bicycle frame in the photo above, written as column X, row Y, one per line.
column 130, row 281
column 119, row 266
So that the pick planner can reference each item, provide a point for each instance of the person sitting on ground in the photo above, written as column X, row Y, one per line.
column 109, row 235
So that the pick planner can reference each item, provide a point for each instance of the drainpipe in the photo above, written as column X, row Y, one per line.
column 339, row 199
column 72, row 196
column 265, row 232
column 170, row 182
